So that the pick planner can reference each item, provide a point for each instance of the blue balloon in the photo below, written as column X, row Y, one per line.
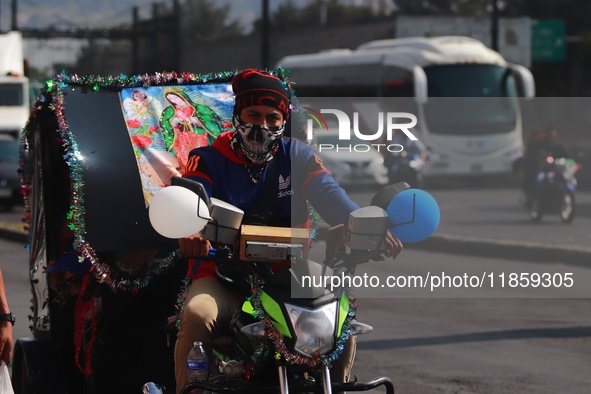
column 414, row 215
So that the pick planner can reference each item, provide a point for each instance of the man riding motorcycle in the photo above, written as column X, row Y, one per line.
column 541, row 144
column 270, row 177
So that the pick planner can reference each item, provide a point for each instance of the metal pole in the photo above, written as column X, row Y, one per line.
column 155, row 37
column 176, row 39
column 283, row 385
column 326, row 381
column 265, row 31
column 135, row 42
column 494, row 31
column 14, row 23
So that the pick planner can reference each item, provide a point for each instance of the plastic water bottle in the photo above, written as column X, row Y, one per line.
column 197, row 364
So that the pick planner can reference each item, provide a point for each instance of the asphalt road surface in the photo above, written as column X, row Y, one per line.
column 502, row 340
column 484, row 213
column 496, row 213
column 454, row 339
column 479, row 343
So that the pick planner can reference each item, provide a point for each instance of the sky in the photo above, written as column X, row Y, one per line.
column 41, row 54
column 103, row 13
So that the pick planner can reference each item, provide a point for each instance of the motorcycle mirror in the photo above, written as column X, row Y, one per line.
column 366, row 229
column 177, row 212
column 308, row 269
column 194, row 186
column 225, row 223
column 383, row 197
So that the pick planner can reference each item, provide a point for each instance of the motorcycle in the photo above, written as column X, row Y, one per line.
column 280, row 340
column 554, row 190
column 103, row 281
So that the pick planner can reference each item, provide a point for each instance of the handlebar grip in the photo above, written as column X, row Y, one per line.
column 210, row 254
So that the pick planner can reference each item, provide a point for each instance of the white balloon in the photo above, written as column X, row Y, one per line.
column 177, row 212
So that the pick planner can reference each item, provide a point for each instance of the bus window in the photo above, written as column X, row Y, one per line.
column 396, row 82
column 356, row 80
column 337, row 90
column 469, row 80
column 11, row 94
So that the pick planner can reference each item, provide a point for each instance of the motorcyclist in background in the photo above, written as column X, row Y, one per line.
column 540, row 146
column 270, row 177
column 530, row 163
column 553, row 146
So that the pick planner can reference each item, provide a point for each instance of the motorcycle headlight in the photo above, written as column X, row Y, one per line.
column 314, row 328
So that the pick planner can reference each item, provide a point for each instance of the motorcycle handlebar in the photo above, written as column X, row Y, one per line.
column 348, row 261
column 211, row 255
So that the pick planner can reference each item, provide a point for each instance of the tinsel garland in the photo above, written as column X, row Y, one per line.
column 53, row 98
column 281, row 350
column 261, row 354
column 180, row 302
column 258, row 359
column 75, row 215
column 122, row 81
column 315, row 219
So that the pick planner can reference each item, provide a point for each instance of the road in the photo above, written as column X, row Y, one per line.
column 478, row 213
column 488, row 339
column 478, row 344
column 495, row 213
column 475, row 340
column 13, row 260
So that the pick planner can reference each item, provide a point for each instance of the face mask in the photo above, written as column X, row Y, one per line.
column 257, row 142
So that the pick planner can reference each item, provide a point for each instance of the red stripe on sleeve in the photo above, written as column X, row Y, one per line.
column 198, row 174
column 311, row 176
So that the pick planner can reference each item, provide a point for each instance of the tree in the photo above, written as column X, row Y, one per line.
column 287, row 15
column 290, row 16
column 203, row 20
column 100, row 57
column 443, row 7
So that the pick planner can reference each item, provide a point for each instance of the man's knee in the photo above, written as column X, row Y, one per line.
column 200, row 310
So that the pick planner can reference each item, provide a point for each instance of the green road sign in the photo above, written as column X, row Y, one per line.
column 548, row 41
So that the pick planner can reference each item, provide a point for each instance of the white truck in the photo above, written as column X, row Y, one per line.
column 14, row 86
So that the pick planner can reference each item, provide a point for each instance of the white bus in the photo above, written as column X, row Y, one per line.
column 464, row 95
column 14, row 86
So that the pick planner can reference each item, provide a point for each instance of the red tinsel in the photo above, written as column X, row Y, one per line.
column 84, row 310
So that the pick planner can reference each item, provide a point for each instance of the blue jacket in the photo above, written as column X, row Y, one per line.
column 301, row 177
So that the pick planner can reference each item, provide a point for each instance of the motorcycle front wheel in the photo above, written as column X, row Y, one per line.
column 534, row 211
column 567, row 207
